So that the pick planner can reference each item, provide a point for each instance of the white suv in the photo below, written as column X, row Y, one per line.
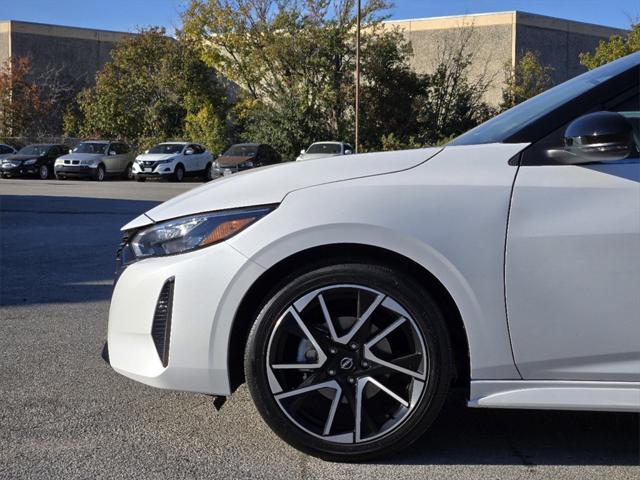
column 174, row 160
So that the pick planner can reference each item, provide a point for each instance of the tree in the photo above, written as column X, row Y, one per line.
column 616, row 47
column 451, row 103
column 294, row 61
column 20, row 101
column 389, row 94
column 147, row 91
column 526, row 79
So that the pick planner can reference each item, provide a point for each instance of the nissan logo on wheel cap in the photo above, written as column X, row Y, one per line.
column 346, row 363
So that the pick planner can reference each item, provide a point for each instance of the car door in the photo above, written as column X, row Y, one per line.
column 572, row 266
column 202, row 157
column 191, row 160
column 124, row 156
column 110, row 158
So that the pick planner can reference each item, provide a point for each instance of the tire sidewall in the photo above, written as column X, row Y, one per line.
column 176, row 176
column 420, row 306
column 97, row 176
column 43, row 168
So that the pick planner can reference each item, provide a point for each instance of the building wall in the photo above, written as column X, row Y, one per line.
column 489, row 38
column 558, row 42
column 5, row 42
column 79, row 53
column 497, row 40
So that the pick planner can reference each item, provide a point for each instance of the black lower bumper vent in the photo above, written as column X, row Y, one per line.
column 161, row 326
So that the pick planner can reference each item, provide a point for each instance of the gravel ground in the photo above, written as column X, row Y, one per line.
column 66, row 414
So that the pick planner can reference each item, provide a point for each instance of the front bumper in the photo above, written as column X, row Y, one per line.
column 208, row 287
column 18, row 169
column 75, row 170
column 154, row 170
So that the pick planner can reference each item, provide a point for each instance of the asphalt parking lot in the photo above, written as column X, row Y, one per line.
column 66, row 414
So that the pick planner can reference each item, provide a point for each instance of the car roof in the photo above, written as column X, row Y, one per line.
column 177, row 143
column 246, row 144
column 98, row 141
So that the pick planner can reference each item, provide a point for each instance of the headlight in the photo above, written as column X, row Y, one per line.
column 168, row 160
column 87, row 162
column 193, row 232
column 31, row 162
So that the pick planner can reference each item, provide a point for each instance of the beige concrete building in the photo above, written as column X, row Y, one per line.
column 78, row 52
column 499, row 39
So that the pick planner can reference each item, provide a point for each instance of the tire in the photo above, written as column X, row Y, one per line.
column 43, row 172
column 100, row 174
column 140, row 178
column 208, row 172
column 303, row 418
column 4, row 176
column 128, row 172
column 178, row 173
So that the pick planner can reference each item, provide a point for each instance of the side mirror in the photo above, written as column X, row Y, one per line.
column 599, row 137
column 188, row 151
column 112, row 152
column 348, row 152
column 70, row 151
column 303, row 151
column 146, row 151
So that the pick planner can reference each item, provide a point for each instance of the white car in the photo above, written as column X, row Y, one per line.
column 325, row 149
column 350, row 295
column 174, row 161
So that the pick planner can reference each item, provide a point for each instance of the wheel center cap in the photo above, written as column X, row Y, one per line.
column 346, row 363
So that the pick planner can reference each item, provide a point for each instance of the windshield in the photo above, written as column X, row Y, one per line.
column 504, row 125
column 91, row 147
column 170, row 148
column 34, row 150
column 241, row 151
column 328, row 148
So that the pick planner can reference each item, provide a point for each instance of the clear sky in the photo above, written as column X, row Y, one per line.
column 127, row 15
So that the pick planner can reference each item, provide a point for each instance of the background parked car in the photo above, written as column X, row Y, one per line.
column 37, row 159
column 6, row 150
column 96, row 159
column 243, row 156
column 325, row 149
column 174, row 160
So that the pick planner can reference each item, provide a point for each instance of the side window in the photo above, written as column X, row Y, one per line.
column 629, row 107
column 200, row 149
column 124, row 148
column 5, row 149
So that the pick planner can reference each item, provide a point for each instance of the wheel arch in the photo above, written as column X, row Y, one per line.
column 256, row 295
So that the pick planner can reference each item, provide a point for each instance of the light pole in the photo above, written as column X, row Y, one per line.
column 358, row 78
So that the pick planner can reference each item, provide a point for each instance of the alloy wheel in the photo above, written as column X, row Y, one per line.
column 346, row 363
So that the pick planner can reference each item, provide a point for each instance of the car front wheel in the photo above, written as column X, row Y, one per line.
column 349, row 362
column 178, row 173
column 99, row 174
column 43, row 172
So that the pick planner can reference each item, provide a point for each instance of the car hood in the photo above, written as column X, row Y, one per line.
column 269, row 185
column 155, row 157
column 20, row 158
column 81, row 156
column 312, row 156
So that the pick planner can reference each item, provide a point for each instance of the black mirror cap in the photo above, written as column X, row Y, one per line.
column 599, row 137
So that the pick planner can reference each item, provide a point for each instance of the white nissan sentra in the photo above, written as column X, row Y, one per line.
column 349, row 295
